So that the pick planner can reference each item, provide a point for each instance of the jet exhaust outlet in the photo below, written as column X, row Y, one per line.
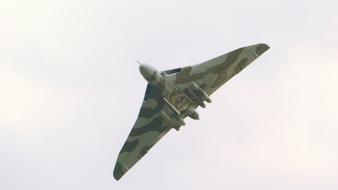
column 192, row 113
column 201, row 93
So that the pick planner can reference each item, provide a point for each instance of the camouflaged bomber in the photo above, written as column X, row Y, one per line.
column 173, row 95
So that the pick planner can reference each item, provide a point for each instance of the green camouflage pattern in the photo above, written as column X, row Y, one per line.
column 168, row 102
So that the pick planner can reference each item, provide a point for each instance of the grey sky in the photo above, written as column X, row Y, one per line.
column 71, row 91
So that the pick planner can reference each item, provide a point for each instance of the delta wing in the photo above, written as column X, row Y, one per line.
column 150, row 126
column 212, row 74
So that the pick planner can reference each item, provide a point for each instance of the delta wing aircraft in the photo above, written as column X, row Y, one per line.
column 173, row 95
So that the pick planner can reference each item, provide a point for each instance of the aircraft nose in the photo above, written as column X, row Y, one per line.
column 146, row 70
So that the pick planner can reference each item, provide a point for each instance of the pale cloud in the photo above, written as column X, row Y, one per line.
column 70, row 92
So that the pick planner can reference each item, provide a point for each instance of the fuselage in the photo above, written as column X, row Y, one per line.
column 180, row 102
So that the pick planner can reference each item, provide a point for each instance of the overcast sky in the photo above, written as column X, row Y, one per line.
column 70, row 91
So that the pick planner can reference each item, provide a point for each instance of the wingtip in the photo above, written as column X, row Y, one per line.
column 117, row 175
column 117, row 178
column 261, row 48
column 265, row 45
column 119, row 171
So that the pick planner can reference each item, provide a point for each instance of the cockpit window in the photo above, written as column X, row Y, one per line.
column 172, row 71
